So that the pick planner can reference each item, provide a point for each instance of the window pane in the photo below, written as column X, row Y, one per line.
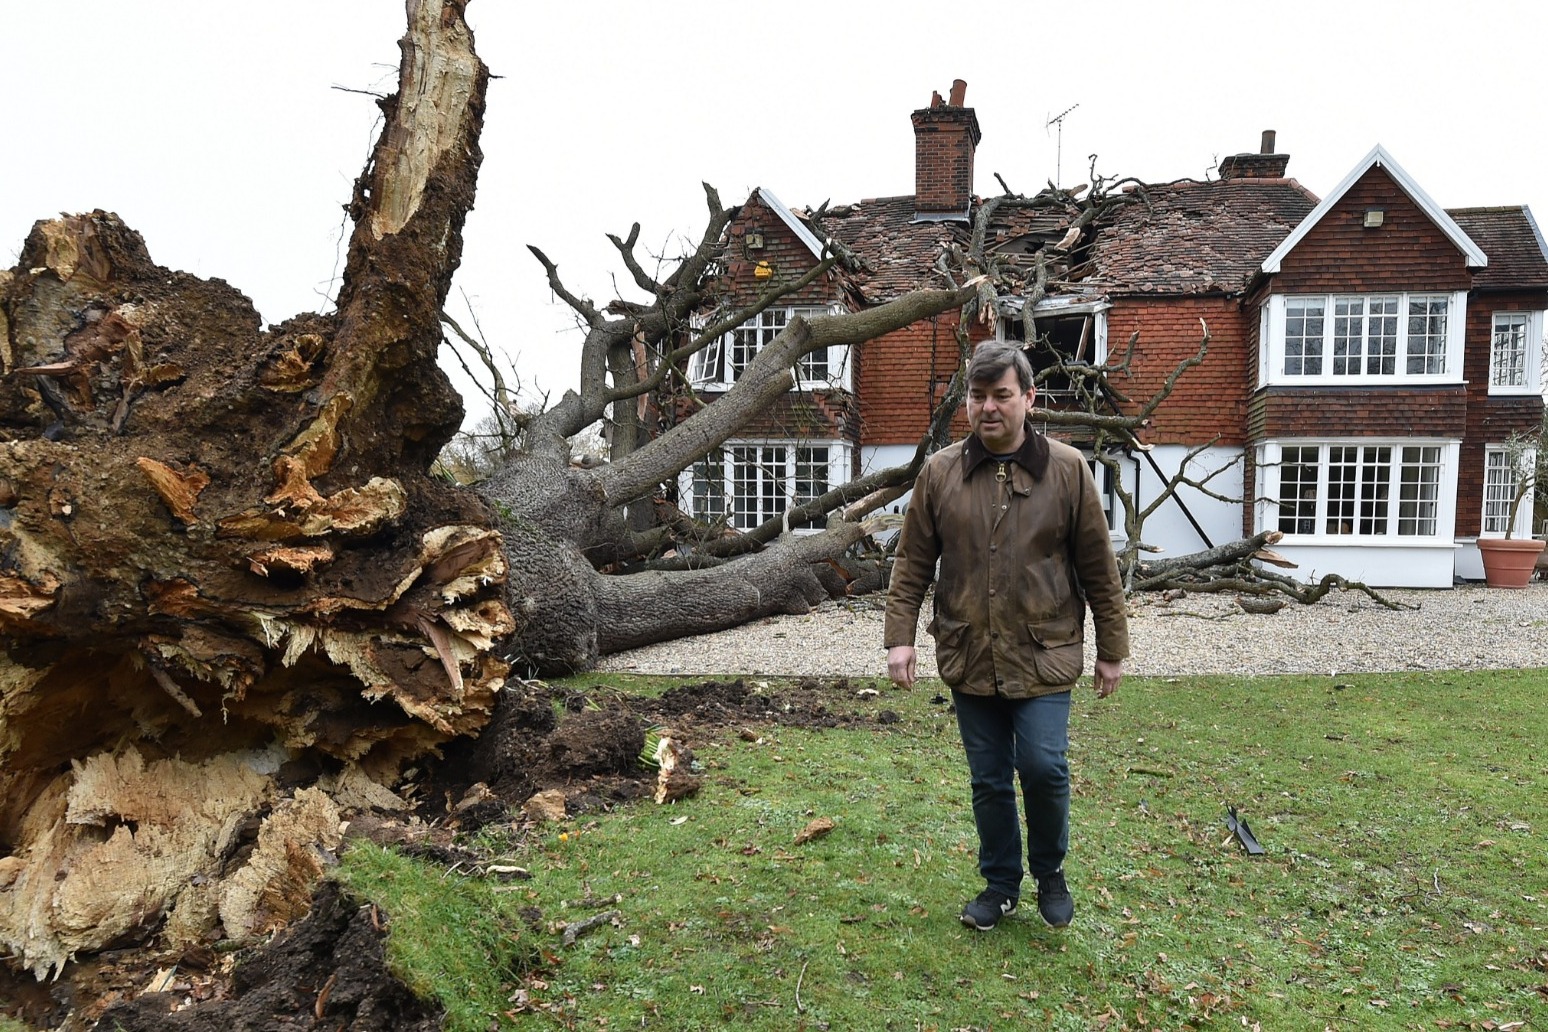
column 1348, row 335
column 1343, row 474
column 750, row 338
column 1303, row 336
column 813, row 368
column 1375, row 480
column 1298, row 490
column 708, row 501
column 1381, row 342
column 1427, row 335
column 1419, row 493
column 811, row 473
column 1507, row 359
column 771, row 491
column 1499, row 489
column 744, row 345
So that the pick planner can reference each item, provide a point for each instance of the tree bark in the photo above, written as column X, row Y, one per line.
column 223, row 548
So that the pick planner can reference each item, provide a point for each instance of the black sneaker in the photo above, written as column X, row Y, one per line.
column 985, row 912
column 1054, row 901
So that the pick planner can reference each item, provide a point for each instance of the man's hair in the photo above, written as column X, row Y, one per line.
column 991, row 359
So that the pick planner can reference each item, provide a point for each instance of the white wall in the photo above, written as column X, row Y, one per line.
column 879, row 457
column 1168, row 527
column 1379, row 566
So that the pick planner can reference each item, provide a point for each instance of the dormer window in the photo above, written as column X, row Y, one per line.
column 1062, row 332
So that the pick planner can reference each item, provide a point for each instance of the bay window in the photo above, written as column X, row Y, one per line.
column 747, row 483
column 1346, row 338
column 1371, row 490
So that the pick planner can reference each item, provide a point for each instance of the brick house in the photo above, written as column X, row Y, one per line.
column 1369, row 352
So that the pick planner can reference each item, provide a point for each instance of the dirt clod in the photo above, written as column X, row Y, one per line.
column 326, row 972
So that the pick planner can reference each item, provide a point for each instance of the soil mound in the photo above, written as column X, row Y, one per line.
column 328, row 971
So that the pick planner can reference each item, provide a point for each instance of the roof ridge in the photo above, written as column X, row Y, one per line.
column 1477, row 209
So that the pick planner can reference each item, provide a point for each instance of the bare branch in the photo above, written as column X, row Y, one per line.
column 582, row 307
column 626, row 252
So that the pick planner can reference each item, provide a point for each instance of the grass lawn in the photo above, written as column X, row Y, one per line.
column 1405, row 884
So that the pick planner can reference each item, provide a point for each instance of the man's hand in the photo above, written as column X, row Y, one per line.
column 1108, row 673
column 902, row 663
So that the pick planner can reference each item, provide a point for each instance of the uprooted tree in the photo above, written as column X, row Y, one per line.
column 231, row 585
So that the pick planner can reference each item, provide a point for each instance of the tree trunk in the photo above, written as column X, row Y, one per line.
column 224, row 553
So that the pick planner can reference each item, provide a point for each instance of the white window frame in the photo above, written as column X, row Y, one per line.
column 1096, row 309
column 1531, row 343
column 1274, row 358
column 1498, row 490
column 1104, row 478
column 1373, row 492
column 783, row 480
column 709, row 368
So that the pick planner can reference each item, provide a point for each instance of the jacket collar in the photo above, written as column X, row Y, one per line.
column 1032, row 456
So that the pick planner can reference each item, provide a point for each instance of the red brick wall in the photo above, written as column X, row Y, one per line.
column 1209, row 399
column 901, row 374
column 1407, row 252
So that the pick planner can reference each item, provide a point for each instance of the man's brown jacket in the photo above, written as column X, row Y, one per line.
column 1023, row 549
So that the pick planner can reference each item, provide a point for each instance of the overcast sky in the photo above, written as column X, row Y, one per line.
column 217, row 130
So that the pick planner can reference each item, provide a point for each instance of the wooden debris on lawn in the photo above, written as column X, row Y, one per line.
column 815, row 830
column 546, row 806
column 674, row 779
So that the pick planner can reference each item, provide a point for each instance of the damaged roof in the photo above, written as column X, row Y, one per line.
column 1196, row 237
column 897, row 254
column 1191, row 237
column 897, row 251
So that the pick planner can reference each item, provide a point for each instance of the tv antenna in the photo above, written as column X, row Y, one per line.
column 1058, row 120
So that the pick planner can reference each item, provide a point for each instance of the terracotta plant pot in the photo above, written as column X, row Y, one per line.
column 1509, row 563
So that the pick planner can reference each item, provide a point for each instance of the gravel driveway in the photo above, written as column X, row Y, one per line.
column 1466, row 628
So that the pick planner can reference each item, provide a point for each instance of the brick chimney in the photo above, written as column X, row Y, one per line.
column 1265, row 164
column 945, row 137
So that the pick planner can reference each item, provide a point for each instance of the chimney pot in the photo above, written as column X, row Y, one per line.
column 1268, row 142
column 935, row 99
column 958, row 92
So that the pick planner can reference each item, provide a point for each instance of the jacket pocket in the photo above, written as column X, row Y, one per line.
column 951, row 648
column 1058, row 650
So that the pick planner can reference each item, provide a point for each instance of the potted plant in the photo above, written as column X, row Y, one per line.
column 1509, row 561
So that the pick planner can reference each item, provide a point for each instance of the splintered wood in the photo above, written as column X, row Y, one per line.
column 675, row 779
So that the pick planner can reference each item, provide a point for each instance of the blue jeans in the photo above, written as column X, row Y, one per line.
column 1007, row 740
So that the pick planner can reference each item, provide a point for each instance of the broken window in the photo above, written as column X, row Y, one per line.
column 1054, row 341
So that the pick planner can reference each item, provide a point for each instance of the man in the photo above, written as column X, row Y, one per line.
column 1016, row 523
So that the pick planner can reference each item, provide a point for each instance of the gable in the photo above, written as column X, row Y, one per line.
column 1401, row 181
column 766, row 245
column 1407, row 251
